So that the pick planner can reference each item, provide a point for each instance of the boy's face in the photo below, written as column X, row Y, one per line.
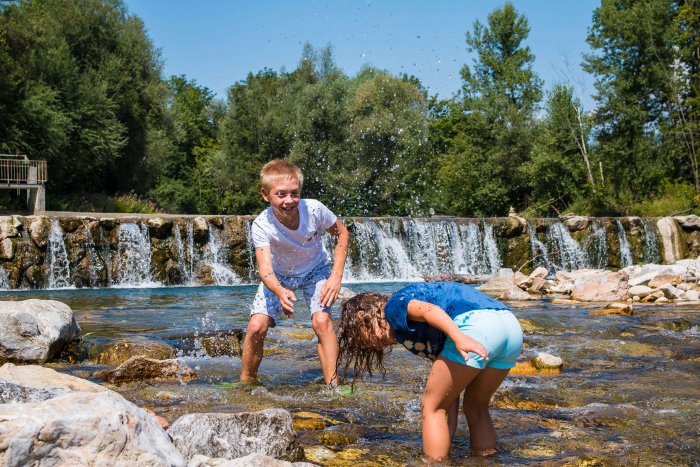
column 283, row 195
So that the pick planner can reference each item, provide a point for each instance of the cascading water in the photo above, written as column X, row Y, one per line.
column 215, row 257
column 626, row 258
column 571, row 255
column 134, row 256
column 190, row 252
column 538, row 250
column 94, row 264
column 381, row 253
column 651, row 244
column 596, row 246
column 181, row 259
column 59, row 266
column 4, row 279
column 105, row 254
column 493, row 259
column 252, row 263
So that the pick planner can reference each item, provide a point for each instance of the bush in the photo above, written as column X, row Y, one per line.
column 673, row 198
column 132, row 203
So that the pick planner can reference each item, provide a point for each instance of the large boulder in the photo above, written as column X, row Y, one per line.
column 38, row 377
column 83, row 428
column 576, row 223
column 230, row 436
column 691, row 222
column 499, row 283
column 33, row 331
column 671, row 239
column 600, row 286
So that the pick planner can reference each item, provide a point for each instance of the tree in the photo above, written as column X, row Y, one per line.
column 636, row 64
column 479, row 174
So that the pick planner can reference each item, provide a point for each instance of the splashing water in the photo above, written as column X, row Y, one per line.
column 94, row 263
column 215, row 257
column 597, row 246
column 625, row 250
column 59, row 266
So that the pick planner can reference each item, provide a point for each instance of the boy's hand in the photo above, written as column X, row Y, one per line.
column 330, row 290
column 287, row 299
column 466, row 344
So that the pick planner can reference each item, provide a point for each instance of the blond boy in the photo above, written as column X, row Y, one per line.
column 290, row 256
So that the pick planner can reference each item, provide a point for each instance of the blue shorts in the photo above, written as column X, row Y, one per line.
column 267, row 303
column 497, row 330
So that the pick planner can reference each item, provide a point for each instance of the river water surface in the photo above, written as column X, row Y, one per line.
column 629, row 393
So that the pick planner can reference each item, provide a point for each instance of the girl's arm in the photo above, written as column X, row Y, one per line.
column 436, row 317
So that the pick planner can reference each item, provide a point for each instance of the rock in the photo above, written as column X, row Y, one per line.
column 140, row 368
column 640, row 291
column 528, row 368
column 597, row 285
column 564, row 301
column 671, row 239
column 684, row 286
column 520, row 279
column 38, row 377
column 162, row 422
column 201, row 229
column 499, row 283
column 83, row 428
column 39, row 230
column 652, row 297
column 33, row 331
column 663, row 279
column 346, row 293
column 11, row 392
column 515, row 293
column 662, row 300
column 7, row 249
column 300, row 424
column 540, row 272
column 691, row 222
column 529, row 327
column 118, row 353
column 251, row 460
column 229, row 436
column 691, row 295
column 576, row 223
column 224, row 344
column 538, row 284
column 9, row 227
column 159, row 227
column 333, row 438
column 671, row 292
column 627, row 311
column 545, row 361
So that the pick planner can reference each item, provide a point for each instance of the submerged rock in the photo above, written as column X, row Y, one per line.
column 140, row 368
column 251, row 460
column 34, row 331
column 230, row 436
column 118, row 353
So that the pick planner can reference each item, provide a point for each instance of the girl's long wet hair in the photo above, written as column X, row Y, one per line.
column 360, row 347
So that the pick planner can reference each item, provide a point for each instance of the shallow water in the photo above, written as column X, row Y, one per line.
column 629, row 395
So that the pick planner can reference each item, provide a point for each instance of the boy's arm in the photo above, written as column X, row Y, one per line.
column 436, row 317
column 330, row 290
column 263, row 256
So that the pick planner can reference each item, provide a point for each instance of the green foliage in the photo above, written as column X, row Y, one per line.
column 672, row 198
column 133, row 203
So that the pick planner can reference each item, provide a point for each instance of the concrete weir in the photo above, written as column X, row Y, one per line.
column 60, row 250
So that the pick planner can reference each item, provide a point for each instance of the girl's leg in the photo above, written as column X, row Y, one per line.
column 452, row 414
column 476, row 408
column 446, row 381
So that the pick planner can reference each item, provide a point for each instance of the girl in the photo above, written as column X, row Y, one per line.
column 472, row 340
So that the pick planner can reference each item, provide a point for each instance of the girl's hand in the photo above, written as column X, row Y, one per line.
column 466, row 344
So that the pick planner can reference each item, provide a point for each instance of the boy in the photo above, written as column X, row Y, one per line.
column 290, row 256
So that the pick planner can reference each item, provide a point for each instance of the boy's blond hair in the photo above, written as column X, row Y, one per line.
column 279, row 168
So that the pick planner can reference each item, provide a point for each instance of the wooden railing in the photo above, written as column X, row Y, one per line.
column 22, row 171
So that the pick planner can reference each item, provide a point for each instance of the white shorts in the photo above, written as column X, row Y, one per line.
column 267, row 303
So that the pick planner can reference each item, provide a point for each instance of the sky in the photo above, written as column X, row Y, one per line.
column 218, row 42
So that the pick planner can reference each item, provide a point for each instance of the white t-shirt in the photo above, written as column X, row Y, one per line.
column 295, row 252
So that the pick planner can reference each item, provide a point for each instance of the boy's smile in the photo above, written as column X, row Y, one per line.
column 283, row 195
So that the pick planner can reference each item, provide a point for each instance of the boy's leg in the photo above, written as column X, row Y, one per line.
column 446, row 381
column 476, row 408
column 252, row 352
column 327, row 345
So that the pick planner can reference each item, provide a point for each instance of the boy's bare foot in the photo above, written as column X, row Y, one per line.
column 484, row 453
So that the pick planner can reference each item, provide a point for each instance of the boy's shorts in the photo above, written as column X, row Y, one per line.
column 497, row 330
column 267, row 303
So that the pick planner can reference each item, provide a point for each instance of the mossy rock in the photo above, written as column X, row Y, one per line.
column 118, row 353
column 332, row 438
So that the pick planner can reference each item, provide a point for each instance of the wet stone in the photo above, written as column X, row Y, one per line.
column 122, row 351
column 140, row 368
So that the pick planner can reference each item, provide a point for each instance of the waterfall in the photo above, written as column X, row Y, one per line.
column 651, row 244
column 381, row 253
column 190, row 252
column 571, row 256
column 93, row 259
column 597, row 246
column 106, row 255
column 59, row 266
column 181, row 259
column 4, row 279
column 493, row 259
column 134, row 256
column 538, row 250
column 625, row 250
column 215, row 257
column 252, row 262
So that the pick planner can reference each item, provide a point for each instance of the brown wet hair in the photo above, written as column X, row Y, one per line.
column 360, row 348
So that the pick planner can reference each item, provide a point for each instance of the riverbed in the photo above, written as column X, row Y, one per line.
column 629, row 393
